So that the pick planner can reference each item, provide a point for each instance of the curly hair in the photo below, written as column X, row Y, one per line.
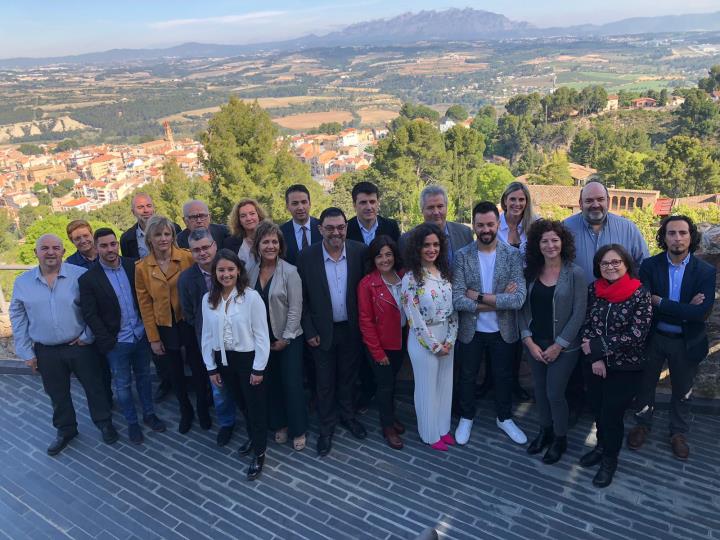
column 373, row 251
column 413, row 248
column 234, row 220
column 695, row 235
column 216, row 287
column 534, row 259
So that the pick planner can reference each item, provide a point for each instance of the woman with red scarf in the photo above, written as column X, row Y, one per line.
column 619, row 314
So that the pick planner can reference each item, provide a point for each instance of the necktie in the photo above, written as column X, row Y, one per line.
column 304, row 237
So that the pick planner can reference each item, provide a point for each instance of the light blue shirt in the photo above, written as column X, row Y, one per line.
column 47, row 315
column 299, row 232
column 675, row 275
column 368, row 234
column 336, row 272
column 143, row 251
column 131, row 325
column 615, row 230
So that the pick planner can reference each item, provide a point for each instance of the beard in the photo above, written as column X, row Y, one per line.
column 487, row 238
column 594, row 217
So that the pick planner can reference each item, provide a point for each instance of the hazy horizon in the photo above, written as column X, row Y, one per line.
column 80, row 26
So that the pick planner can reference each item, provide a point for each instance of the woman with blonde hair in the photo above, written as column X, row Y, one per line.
column 517, row 215
column 245, row 217
column 156, row 277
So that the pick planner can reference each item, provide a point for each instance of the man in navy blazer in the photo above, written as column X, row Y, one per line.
column 302, row 230
column 683, row 294
column 367, row 224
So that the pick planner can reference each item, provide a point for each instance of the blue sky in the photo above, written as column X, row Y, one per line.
column 52, row 27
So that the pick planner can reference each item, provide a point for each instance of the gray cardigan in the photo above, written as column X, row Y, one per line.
column 285, row 298
column 569, row 307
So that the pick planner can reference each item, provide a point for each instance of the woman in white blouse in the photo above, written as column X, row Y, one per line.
column 427, row 301
column 236, row 347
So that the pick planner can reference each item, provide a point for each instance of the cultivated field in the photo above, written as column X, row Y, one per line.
column 311, row 120
column 376, row 117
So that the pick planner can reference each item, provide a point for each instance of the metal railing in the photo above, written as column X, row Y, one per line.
column 9, row 268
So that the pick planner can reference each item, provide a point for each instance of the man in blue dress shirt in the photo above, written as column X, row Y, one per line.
column 52, row 337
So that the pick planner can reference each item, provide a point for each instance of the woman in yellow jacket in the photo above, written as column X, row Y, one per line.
column 156, row 278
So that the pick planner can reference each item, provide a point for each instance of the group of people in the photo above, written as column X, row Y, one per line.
column 258, row 312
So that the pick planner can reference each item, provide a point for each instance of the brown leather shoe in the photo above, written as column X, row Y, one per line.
column 393, row 439
column 680, row 448
column 636, row 437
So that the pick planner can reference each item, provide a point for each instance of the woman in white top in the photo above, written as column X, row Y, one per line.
column 236, row 347
column 427, row 301
column 517, row 215
column 245, row 217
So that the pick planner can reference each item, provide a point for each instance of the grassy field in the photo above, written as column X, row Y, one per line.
column 376, row 117
column 311, row 120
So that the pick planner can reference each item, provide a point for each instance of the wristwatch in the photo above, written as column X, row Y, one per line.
column 480, row 298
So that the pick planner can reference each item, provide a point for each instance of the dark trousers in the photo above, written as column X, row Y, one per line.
column 200, row 379
column 56, row 363
column 682, row 377
column 286, row 395
column 236, row 376
column 385, row 377
column 162, row 369
column 368, row 384
column 609, row 399
column 500, row 355
column 336, row 372
column 575, row 391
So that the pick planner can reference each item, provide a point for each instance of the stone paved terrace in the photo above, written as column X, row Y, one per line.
column 178, row 486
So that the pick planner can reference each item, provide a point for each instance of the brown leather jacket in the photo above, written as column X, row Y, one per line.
column 156, row 292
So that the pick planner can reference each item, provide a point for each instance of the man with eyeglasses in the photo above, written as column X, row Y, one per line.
column 593, row 228
column 193, row 283
column 196, row 215
column 330, row 272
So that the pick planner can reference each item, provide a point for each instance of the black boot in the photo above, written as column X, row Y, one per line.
column 604, row 476
column 256, row 467
column 186, row 420
column 592, row 458
column 543, row 439
column 245, row 448
column 556, row 450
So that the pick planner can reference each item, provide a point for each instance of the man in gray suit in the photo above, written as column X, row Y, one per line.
column 488, row 291
column 434, row 206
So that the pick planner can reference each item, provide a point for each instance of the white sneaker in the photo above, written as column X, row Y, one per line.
column 462, row 432
column 511, row 430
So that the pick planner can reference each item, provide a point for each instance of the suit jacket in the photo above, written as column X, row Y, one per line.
column 699, row 277
column 128, row 242
column 386, row 226
column 291, row 246
column 317, row 317
column 219, row 234
column 459, row 235
column 192, row 288
column 100, row 306
column 466, row 275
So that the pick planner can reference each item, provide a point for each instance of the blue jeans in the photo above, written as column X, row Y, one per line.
column 126, row 360
column 224, row 406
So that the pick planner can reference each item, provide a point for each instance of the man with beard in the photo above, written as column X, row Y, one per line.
column 593, row 228
column 683, row 294
column 488, row 290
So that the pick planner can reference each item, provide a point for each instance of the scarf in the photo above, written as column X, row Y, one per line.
column 618, row 291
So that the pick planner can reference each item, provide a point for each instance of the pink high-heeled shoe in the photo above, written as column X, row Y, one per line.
column 448, row 439
column 440, row 445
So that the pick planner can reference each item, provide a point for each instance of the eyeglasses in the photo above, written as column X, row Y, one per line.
column 198, row 217
column 615, row 263
column 201, row 249
column 330, row 229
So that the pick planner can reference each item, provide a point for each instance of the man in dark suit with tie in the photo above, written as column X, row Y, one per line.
column 330, row 271
column 367, row 224
column 196, row 215
column 302, row 230
column 109, row 307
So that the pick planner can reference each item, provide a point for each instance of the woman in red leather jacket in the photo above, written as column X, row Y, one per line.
column 382, row 323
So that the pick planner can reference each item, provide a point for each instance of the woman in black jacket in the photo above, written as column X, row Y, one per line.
column 613, row 340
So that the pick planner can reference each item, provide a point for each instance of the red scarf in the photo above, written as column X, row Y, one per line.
column 618, row 291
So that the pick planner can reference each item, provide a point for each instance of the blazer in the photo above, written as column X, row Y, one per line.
column 99, row 303
column 699, row 277
column 459, row 235
column 218, row 232
column 568, row 308
column 317, row 307
column 386, row 226
column 157, row 294
column 291, row 247
column 191, row 287
column 466, row 275
column 285, row 300
column 378, row 316
column 128, row 242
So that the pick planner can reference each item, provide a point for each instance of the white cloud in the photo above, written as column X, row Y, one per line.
column 224, row 19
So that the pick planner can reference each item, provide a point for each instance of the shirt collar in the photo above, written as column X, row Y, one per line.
column 327, row 256
column 371, row 229
column 106, row 267
column 299, row 227
column 61, row 273
column 504, row 224
column 682, row 263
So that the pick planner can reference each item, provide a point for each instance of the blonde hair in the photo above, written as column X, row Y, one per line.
column 154, row 224
column 234, row 221
column 75, row 225
column 529, row 213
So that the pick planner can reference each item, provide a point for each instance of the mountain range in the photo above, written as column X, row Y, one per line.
column 439, row 26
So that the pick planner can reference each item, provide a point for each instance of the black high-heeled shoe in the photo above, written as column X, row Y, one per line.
column 256, row 467
column 186, row 421
column 556, row 450
column 245, row 448
column 539, row 443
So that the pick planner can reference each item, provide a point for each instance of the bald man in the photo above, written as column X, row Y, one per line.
column 52, row 337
